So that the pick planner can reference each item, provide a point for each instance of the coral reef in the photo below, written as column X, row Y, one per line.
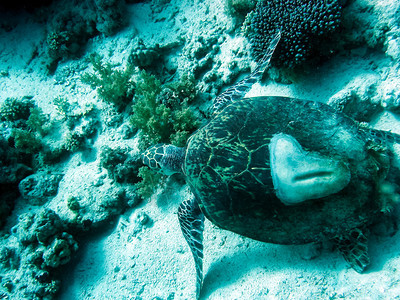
column 71, row 28
column 38, row 188
column 94, row 147
column 21, row 129
column 81, row 126
column 73, row 114
column 76, row 139
column 68, row 32
column 87, row 197
column 38, row 244
column 25, row 128
column 306, row 27
column 25, row 147
column 121, row 166
column 114, row 86
column 64, row 107
column 239, row 8
column 27, row 122
column 201, row 52
column 109, row 15
column 15, row 110
column 12, row 172
column 163, row 112
column 143, row 56
column 38, row 121
column 150, row 182
column 26, row 141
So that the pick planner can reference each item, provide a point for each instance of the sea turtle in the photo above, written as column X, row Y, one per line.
column 279, row 170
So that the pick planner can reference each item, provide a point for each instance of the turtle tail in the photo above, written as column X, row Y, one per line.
column 239, row 90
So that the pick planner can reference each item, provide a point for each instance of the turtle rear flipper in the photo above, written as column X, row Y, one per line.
column 191, row 220
column 354, row 248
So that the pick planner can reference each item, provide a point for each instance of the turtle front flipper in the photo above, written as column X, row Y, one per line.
column 240, row 89
column 191, row 220
column 354, row 248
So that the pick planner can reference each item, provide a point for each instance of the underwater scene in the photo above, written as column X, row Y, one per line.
column 199, row 149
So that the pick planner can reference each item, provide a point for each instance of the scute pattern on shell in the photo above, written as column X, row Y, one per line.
column 227, row 167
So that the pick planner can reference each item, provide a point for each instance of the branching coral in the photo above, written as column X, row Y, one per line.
column 63, row 107
column 114, row 86
column 27, row 122
column 149, row 182
column 120, row 166
column 26, row 141
column 13, row 109
column 305, row 27
column 38, row 121
column 68, row 31
column 163, row 112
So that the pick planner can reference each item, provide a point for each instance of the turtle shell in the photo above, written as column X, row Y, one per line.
column 227, row 166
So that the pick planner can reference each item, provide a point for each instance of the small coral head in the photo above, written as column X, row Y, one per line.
column 165, row 159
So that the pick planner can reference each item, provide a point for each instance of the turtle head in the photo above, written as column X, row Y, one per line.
column 165, row 159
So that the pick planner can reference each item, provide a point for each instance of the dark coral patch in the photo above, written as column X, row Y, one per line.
column 305, row 25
